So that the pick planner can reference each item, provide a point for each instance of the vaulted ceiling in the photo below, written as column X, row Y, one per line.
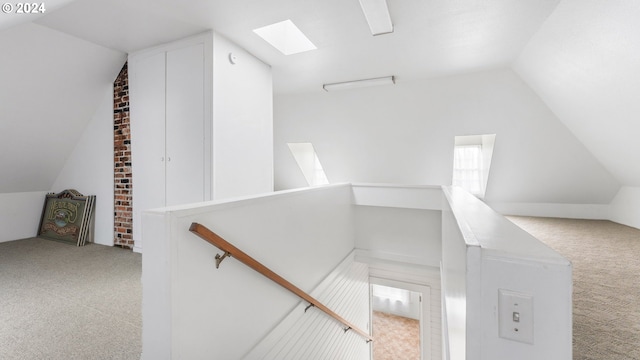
column 430, row 38
column 585, row 65
column 581, row 57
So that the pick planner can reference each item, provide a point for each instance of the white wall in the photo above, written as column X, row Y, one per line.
column 406, row 235
column 52, row 84
column 242, row 122
column 625, row 207
column 89, row 168
column 425, row 197
column 582, row 62
column 193, row 310
column 405, row 134
column 20, row 214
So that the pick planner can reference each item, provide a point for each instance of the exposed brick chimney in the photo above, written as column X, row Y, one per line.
column 123, row 188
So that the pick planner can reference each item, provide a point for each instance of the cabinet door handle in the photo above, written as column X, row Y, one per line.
column 169, row 158
column 162, row 159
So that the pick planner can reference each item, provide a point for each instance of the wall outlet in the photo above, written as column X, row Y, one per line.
column 515, row 313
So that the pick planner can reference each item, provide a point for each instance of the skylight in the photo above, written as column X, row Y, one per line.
column 286, row 37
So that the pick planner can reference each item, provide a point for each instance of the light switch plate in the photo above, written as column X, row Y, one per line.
column 515, row 313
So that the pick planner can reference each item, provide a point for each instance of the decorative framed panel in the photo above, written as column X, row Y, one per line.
column 67, row 217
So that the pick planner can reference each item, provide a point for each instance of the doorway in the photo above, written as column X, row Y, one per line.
column 400, row 320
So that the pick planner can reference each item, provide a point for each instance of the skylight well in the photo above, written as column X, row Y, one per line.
column 378, row 18
column 286, row 37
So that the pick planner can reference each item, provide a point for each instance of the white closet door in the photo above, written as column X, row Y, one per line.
column 148, row 135
column 185, row 144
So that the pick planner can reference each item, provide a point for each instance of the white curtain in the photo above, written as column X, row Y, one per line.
column 467, row 168
column 391, row 294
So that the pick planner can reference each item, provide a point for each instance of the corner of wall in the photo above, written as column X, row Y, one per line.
column 20, row 214
column 625, row 206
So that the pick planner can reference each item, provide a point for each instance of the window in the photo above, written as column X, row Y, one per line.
column 467, row 168
column 391, row 294
column 471, row 162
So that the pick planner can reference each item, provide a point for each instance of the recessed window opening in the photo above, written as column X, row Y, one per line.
column 471, row 162
column 309, row 164
column 286, row 37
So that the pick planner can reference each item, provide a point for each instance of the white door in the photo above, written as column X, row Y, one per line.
column 185, row 127
column 148, row 135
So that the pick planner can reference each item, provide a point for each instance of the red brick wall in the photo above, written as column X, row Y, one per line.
column 123, row 188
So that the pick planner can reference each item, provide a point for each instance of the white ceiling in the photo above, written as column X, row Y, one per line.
column 431, row 38
column 12, row 18
column 585, row 64
column 51, row 86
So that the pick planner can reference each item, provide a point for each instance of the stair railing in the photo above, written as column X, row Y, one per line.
column 232, row 251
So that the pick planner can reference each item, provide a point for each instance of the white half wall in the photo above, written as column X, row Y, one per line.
column 423, row 197
column 485, row 254
column 625, row 207
column 582, row 62
column 20, row 214
column 89, row 168
column 193, row 310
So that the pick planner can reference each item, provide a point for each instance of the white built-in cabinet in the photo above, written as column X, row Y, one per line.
column 172, row 125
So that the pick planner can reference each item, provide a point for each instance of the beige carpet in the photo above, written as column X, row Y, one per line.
column 606, row 283
column 58, row 301
column 395, row 337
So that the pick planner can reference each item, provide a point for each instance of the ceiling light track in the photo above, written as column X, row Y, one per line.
column 387, row 80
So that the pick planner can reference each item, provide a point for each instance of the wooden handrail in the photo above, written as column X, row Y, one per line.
column 230, row 250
